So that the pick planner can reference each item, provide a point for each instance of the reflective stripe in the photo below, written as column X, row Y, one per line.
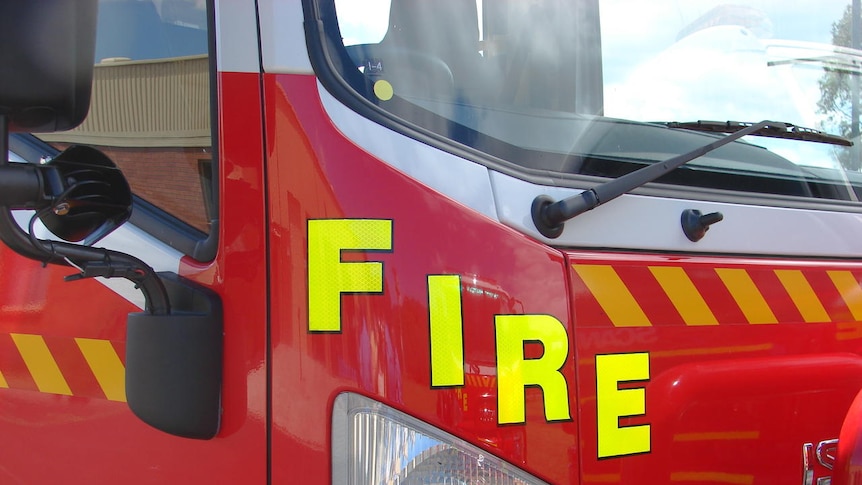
column 803, row 295
column 637, row 294
column 41, row 364
column 684, row 296
column 67, row 366
column 850, row 291
column 613, row 295
column 747, row 295
column 106, row 367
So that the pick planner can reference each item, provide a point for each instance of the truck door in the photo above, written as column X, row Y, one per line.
column 181, row 118
column 459, row 321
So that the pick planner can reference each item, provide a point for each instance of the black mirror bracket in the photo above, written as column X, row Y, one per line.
column 174, row 362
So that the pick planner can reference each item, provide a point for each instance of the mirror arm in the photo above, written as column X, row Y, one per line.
column 92, row 262
column 10, row 233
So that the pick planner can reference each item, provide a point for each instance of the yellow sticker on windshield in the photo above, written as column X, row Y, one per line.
column 383, row 90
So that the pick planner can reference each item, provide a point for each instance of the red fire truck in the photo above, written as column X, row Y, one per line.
column 416, row 242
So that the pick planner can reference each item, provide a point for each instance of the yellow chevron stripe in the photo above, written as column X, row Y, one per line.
column 803, row 295
column 41, row 364
column 747, row 296
column 850, row 291
column 3, row 382
column 684, row 295
column 615, row 299
column 106, row 366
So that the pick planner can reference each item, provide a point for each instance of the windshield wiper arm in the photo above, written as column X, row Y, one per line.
column 774, row 130
column 549, row 216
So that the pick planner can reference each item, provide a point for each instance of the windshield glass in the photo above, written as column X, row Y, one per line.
column 585, row 87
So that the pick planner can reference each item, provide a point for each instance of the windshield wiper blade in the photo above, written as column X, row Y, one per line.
column 549, row 215
column 773, row 130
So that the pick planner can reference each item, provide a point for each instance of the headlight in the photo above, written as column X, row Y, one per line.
column 375, row 444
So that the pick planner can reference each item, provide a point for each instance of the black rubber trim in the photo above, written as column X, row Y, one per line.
column 205, row 249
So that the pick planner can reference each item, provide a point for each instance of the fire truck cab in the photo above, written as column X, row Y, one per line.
column 416, row 242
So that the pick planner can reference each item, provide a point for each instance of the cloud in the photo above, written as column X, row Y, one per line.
column 362, row 22
column 726, row 72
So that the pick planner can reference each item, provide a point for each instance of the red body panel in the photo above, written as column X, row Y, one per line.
column 728, row 401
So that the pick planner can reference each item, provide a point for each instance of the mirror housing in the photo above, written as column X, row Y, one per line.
column 95, row 197
column 174, row 362
column 45, row 79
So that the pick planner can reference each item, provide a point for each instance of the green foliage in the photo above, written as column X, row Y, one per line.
column 836, row 94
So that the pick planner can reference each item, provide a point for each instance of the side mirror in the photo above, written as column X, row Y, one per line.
column 174, row 347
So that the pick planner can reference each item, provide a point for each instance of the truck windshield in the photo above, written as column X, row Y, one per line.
column 591, row 87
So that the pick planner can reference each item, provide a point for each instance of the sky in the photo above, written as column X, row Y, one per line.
column 722, row 72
